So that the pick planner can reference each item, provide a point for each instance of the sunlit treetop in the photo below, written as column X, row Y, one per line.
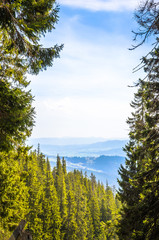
column 22, row 23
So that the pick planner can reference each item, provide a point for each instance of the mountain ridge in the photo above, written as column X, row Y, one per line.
column 108, row 147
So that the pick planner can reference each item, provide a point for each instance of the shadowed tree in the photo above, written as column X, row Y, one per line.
column 22, row 24
column 139, row 178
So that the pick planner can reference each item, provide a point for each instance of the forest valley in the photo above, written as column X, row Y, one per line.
column 69, row 205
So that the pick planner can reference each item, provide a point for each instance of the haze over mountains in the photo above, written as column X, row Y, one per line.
column 81, row 147
column 97, row 155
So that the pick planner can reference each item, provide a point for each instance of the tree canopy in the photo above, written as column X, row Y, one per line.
column 56, row 204
column 22, row 24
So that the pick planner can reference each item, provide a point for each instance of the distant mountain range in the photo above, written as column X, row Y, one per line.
column 92, row 155
column 81, row 147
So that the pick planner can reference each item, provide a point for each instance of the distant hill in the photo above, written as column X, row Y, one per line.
column 75, row 147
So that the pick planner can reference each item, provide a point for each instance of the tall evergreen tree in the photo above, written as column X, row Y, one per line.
column 81, row 206
column 22, row 23
column 71, row 224
column 139, row 178
column 35, row 184
column 13, row 191
column 60, row 185
column 51, row 213
column 94, row 206
column 61, row 188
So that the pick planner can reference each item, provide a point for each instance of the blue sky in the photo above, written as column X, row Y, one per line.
column 85, row 93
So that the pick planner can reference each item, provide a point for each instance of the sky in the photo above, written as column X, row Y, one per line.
column 86, row 93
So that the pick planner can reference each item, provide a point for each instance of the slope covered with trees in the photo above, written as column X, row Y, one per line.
column 56, row 204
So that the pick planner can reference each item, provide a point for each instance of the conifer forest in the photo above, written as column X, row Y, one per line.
column 70, row 205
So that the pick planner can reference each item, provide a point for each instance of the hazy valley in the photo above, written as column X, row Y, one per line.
column 99, row 156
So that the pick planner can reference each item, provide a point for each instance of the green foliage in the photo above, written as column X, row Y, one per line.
column 22, row 23
column 139, row 178
column 16, row 115
column 13, row 191
column 66, row 206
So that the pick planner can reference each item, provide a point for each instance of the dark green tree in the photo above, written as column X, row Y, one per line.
column 139, row 178
column 22, row 23
column 16, row 115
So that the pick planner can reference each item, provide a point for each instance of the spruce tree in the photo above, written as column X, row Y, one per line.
column 94, row 206
column 81, row 206
column 22, row 23
column 51, row 213
column 13, row 191
column 139, row 178
column 71, row 224
column 35, row 184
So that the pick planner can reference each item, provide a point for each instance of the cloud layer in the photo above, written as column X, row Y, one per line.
column 101, row 5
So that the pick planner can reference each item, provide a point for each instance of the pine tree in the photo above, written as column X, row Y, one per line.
column 71, row 225
column 89, row 221
column 64, row 166
column 35, row 184
column 112, row 214
column 60, row 185
column 81, row 206
column 94, row 207
column 16, row 114
column 22, row 23
column 139, row 179
column 51, row 213
column 13, row 191
column 61, row 188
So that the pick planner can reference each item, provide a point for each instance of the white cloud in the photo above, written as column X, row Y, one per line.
column 101, row 5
